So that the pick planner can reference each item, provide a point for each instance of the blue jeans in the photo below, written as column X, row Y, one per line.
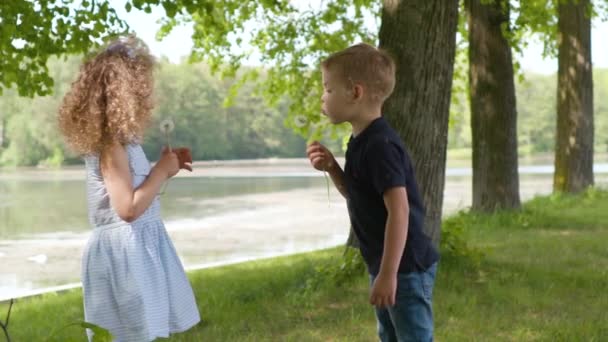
column 411, row 319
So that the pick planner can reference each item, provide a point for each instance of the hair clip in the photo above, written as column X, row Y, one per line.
column 121, row 46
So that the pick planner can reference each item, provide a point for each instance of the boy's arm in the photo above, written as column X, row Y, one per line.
column 385, row 286
column 337, row 176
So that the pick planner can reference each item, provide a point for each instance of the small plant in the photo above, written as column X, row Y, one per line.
column 331, row 274
column 301, row 121
column 454, row 244
column 166, row 127
column 99, row 334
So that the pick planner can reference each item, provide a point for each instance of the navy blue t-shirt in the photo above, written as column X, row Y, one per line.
column 376, row 160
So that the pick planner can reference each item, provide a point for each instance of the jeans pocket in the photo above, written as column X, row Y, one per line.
column 428, row 282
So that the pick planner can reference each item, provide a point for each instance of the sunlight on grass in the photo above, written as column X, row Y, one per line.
column 542, row 277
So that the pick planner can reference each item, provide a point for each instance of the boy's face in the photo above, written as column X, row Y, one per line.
column 337, row 100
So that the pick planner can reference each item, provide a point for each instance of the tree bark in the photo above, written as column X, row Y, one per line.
column 352, row 240
column 574, row 138
column 421, row 36
column 493, row 108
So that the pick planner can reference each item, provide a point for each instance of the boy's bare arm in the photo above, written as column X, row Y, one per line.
column 397, row 207
column 395, row 236
column 337, row 176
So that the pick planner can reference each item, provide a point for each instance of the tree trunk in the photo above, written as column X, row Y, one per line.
column 352, row 240
column 493, row 110
column 574, row 138
column 421, row 36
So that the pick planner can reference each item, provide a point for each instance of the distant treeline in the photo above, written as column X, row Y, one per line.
column 194, row 99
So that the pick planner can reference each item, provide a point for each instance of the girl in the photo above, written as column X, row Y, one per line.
column 133, row 282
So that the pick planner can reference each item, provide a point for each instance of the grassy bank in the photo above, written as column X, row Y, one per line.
column 542, row 277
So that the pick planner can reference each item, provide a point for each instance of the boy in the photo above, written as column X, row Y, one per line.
column 384, row 204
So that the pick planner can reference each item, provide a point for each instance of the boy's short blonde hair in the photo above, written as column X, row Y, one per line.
column 365, row 64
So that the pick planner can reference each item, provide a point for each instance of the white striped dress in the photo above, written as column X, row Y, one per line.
column 133, row 281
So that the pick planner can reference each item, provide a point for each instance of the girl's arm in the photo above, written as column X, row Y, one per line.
column 130, row 203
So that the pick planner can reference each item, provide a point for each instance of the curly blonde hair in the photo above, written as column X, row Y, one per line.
column 111, row 101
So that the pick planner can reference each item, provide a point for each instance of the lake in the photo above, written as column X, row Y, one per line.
column 224, row 212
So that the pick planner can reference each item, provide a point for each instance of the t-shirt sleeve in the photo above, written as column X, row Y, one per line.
column 386, row 165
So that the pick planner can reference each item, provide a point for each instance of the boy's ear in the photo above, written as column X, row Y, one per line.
column 357, row 92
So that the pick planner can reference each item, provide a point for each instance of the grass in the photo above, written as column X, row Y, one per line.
column 542, row 278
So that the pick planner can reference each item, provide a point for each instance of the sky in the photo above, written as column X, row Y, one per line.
column 179, row 43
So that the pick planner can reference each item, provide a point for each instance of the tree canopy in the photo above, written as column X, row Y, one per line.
column 33, row 31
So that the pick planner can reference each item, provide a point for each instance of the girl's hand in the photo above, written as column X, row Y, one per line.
column 185, row 158
column 168, row 163
column 320, row 157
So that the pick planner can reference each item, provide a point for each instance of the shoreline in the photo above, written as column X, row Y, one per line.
column 259, row 225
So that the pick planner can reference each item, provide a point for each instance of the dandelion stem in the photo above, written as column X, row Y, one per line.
column 327, row 186
column 167, row 136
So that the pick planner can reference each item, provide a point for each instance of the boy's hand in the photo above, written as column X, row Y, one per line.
column 185, row 158
column 384, row 290
column 320, row 157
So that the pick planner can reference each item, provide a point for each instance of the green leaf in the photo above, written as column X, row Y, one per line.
column 99, row 334
column 170, row 8
column 53, row 29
